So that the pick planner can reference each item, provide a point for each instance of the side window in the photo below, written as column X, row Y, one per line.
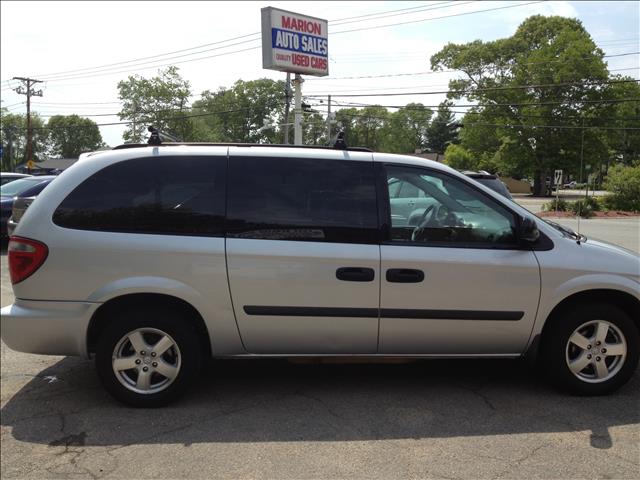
column 446, row 211
column 302, row 199
column 166, row 195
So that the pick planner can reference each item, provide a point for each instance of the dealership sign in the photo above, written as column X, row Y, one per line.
column 294, row 43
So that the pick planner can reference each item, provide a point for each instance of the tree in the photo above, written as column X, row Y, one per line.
column 624, row 144
column 562, row 69
column 458, row 157
column 314, row 129
column 13, row 132
column 161, row 101
column 238, row 114
column 407, row 129
column 366, row 127
column 443, row 129
column 71, row 135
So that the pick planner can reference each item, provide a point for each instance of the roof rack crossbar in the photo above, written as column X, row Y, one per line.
column 222, row 144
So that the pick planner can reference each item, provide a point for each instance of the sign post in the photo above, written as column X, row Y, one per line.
column 557, row 179
column 295, row 43
column 297, row 125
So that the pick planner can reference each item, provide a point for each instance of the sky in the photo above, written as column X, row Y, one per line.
column 72, row 46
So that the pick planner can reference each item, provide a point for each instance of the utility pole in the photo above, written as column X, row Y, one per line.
column 297, row 125
column 287, row 96
column 29, row 92
column 329, row 119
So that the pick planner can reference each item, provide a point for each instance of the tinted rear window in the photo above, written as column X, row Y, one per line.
column 302, row 199
column 167, row 195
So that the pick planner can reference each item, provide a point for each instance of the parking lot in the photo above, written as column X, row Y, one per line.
column 275, row 419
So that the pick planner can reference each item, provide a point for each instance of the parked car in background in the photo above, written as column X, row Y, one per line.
column 572, row 184
column 6, row 177
column 23, row 188
column 491, row 181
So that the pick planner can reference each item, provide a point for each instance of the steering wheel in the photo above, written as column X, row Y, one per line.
column 423, row 222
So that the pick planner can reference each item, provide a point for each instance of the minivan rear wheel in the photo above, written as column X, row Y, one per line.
column 591, row 350
column 148, row 357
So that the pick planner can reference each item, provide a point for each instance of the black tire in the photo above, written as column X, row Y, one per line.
column 170, row 321
column 556, row 338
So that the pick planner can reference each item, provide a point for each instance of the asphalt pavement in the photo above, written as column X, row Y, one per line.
column 471, row 419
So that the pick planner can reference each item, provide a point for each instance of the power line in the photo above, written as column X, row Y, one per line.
column 437, row 18
column 151, row 56
column 462, row 92
column 462, row 124
column 108, row 70
column 159, row 56
column 422, row 9
column 408, row 74
column 334, row 22
column 513, row 87
column 93, row 74
column 519, row 116
column 531, row 104
column 167, row 119
column 14, row 104
column 438, row 92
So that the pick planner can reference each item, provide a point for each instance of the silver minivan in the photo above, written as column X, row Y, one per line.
column 154, row 258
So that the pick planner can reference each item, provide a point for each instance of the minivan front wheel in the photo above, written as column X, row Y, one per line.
column 592, row 350
column 148, row 357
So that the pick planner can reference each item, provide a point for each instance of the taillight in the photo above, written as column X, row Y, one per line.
column 25, row 257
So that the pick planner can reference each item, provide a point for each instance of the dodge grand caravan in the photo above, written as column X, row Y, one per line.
column 151, row 259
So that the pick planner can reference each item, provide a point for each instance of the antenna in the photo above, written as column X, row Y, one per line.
column 581, row 162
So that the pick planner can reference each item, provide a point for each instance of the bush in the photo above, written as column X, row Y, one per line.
column 562, row 205
column 619, row 202
column 585, row 207
column 624, row 185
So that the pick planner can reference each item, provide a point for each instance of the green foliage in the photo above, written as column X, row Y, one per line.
column 13, row 133
column 71, row 135
column 543, row 51
column 624, row 145
column 161, row 101
column 585, row 207
column 367, row 127
column 458, row 157
column 556, row 205
column 623, row 183
column 443, row 130
column 238, row 114
column 314, row 129
column 407, row 129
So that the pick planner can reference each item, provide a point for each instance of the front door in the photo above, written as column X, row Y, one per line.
column 303, row 256
column 454, row 280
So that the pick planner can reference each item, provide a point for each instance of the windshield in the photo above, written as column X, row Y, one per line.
column 14, row 188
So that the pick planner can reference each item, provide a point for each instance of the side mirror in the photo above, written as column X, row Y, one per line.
column 529, row 232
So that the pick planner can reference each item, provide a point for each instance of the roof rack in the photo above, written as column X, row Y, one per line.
column 125, row 146
column 156, row 139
